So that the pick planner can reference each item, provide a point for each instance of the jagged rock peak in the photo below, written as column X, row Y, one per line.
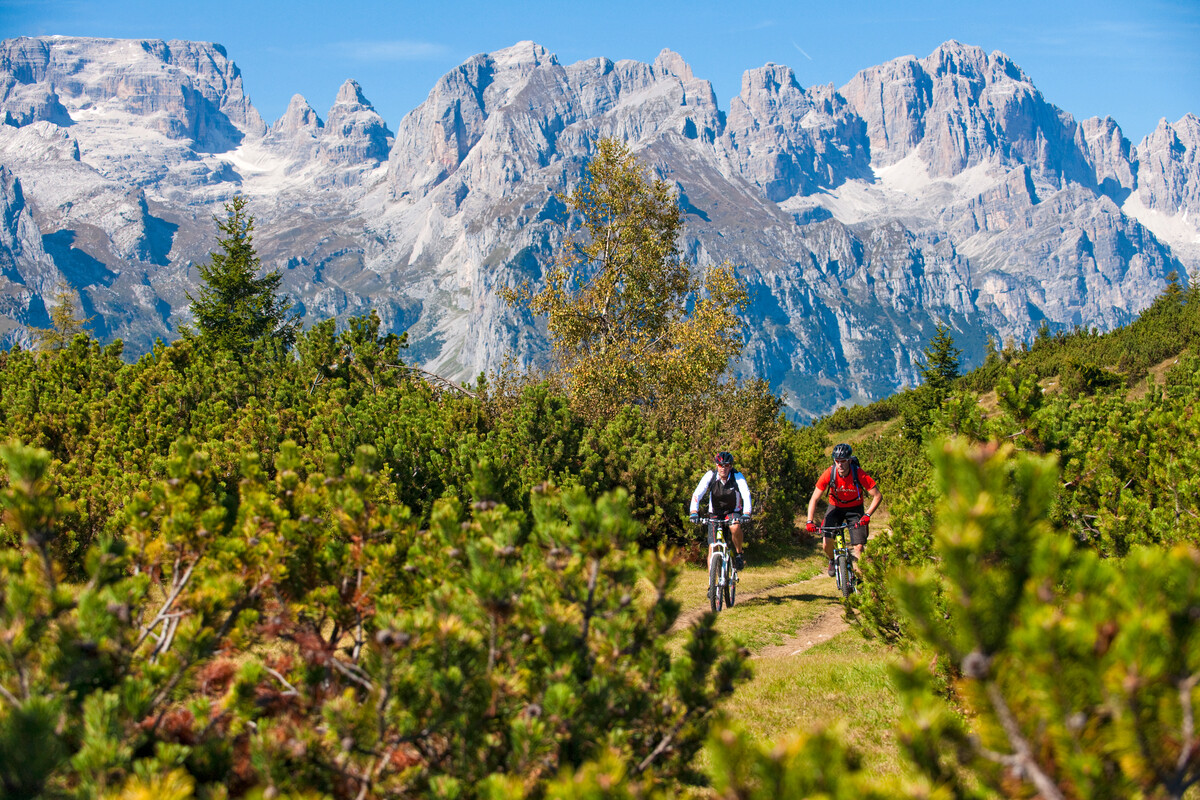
column 960, row 107
column 771, row 79
column 955, row 58
column 300, row 116
column 351, row 94
column 791, row 142
column 1187, row 129
column 1169, row 171
column 355, row 132
column 198, row 95
column 523, row 55
column 670, row 61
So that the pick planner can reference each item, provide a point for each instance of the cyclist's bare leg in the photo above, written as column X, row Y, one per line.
column 858, row 551
column 827, row 543
column 735, row 533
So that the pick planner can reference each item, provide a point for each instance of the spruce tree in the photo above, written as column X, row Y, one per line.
column 939, row 368
column 236, row 308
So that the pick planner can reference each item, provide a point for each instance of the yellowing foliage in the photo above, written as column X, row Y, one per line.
column 629, row 321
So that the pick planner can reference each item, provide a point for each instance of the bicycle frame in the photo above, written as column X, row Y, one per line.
column 843, row 555
column 723, row 575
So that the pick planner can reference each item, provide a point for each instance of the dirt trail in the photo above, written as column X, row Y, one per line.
column 823, row 627
column 688, row 617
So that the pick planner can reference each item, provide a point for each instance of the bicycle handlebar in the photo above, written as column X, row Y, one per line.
column 702, row 519
column 849, row 522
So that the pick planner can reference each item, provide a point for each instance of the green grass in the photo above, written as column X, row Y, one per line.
column 842, row 684
column 843, row 681
column 766, row 567
column 772, row 618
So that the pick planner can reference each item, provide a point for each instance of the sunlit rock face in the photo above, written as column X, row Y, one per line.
column 944, row 188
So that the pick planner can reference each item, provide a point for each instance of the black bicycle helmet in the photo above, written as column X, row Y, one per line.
column 841, row 452
column 724, row 459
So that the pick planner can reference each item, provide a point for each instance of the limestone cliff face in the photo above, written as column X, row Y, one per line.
column 1169, row 161
column 789, row 141
column 27, row 274
column 945, row 188
column 960, row 107
column 501, row 116
column 181, row 89
column 355, row 133
column 297, row 134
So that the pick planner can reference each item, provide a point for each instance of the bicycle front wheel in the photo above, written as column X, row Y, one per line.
column 714, row 581
column 843, row 575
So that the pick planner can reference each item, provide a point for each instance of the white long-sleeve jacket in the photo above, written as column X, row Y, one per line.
column 725, row 498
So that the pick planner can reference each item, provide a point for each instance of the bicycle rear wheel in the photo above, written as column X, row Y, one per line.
column 730, row 584
column 843, row 575
column 714, row 581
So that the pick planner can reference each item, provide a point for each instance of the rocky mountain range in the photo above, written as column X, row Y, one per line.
column 944, row 188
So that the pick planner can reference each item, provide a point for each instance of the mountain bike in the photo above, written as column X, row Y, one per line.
column 722, row 574
column 843, row 555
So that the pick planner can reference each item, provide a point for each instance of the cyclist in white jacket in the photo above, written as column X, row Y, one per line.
column 728, row 498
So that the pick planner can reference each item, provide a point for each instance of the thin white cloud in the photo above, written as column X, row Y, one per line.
column 801, row 49
column 395, row 50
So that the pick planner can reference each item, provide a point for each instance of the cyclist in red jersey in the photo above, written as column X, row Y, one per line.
column 846, row 483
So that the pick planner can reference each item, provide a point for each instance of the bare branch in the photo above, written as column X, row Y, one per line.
column 180, row 583
column 664, row 743
column 358, row 614
column 168, row 637
column 588, row 609
column 353, row 673
column 436, row 380
column 9, row 696
column 1023, row 752
column 292, row 690
column 1187, row 743
column 491, row 664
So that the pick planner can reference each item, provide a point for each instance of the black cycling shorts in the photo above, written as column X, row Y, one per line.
column 836, row 516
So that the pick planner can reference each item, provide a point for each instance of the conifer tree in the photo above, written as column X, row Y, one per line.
column 1078, row 675
column 236, row 307
column 940, row 365
column 65, row 322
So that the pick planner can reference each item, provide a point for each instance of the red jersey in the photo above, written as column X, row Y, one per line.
column 844, row 493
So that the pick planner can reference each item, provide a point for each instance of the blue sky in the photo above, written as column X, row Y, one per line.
column 1134, row 61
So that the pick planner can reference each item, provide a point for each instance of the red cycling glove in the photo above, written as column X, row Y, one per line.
column 865, row 519
column 811, row 527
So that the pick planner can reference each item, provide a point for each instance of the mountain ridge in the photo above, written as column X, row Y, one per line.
column 938, row 189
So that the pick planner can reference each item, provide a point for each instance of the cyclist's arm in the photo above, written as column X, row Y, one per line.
column 812, row 502
column 701, row 488
column 876, row 499
column 744, row 488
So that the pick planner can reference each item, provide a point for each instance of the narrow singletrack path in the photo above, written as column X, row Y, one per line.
column 826, row 624
column 687, row 618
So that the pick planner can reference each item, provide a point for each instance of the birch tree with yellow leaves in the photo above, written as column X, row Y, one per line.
column 629, row 320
